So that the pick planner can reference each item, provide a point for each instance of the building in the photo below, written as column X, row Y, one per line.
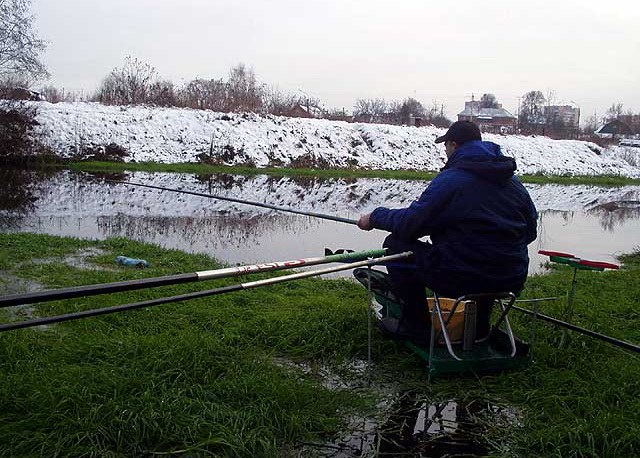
column 566, row 116
column 298, row 111
column 614, row 129
column 495, row 120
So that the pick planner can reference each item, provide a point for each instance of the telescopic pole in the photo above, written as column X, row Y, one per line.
column 103, row 288
column 198, row 294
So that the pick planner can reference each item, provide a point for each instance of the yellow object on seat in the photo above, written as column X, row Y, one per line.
column 456, row 325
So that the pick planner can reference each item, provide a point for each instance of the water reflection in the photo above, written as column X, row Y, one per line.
column 593, row 222
column 414, row 426
column 224, row 231
column 616, row 213
column 18, row 193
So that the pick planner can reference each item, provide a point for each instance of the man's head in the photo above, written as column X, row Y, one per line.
column 459, row 133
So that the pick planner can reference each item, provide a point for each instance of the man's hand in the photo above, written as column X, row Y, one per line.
column 364, row 222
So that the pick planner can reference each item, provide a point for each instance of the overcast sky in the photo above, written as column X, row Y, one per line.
column 585, row 51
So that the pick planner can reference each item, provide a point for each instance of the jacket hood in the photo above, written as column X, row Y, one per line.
column 483, row 159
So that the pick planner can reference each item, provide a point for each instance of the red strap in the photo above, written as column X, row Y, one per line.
column 599, row 264
column 556, row 253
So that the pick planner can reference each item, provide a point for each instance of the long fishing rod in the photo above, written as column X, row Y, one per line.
column 197, row 294
column 587, row 332
column 129, row 285
column 242, row 201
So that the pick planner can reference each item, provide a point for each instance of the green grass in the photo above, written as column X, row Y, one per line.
column 114, row 167
column 198, row 378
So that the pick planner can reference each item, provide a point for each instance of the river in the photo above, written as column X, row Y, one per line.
column 589, row 221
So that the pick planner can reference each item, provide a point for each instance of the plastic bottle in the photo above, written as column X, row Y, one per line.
column 126, row 261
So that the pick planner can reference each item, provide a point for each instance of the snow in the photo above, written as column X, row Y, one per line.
column 171, row 135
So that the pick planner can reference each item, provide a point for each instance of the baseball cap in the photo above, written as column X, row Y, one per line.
column 461, row 132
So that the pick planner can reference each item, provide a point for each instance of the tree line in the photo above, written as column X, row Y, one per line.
column 137, row 82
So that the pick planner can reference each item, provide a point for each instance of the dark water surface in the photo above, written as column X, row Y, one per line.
column 590, row 222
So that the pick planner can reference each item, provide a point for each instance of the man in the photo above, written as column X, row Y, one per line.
column 480, row 219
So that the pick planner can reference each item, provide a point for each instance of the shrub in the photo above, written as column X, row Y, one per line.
column 17, row 120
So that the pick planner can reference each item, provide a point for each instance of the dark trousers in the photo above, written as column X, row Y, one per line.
column 410, row 280
column 408, row 284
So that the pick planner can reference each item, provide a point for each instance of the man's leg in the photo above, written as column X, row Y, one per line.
column 409, row 287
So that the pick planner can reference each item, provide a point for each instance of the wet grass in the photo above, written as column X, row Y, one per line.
column 203, row 169
column 198, row 378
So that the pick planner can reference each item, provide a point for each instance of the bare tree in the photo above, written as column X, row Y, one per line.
column 435, row 115
column 128, row 85
column 615, row 111
column 277, row 102
column 162, row 93
column 51, row 94
column 489, row 101
column 370, row 110
column 410, row 107
column 20, row 48
column 206, row 95
column 532, row 110
column 591, row 124
column 244, row 92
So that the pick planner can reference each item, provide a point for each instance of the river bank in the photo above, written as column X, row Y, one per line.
column 242, row 375
column 171, row 135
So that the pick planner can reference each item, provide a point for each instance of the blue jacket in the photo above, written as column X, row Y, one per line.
column 480, row 219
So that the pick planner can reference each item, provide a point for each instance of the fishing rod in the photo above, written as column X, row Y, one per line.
column 129, row 285
column 241, row 201
column 587, row 332
column 198, row 294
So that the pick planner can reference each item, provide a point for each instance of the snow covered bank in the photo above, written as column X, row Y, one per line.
column 180, row 135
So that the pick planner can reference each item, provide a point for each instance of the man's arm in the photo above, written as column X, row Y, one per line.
column 419, row 219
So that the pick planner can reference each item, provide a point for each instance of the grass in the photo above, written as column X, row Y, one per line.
column 198, row 378
column 114, row 167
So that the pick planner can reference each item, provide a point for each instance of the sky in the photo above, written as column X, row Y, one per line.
column 585, row 52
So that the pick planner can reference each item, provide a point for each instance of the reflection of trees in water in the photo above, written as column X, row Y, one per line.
column 221, row 231
column 18, row 193
column 610, row 215
column 567, row 216
column 102, row 176
column 617, row 209
column 615, row 214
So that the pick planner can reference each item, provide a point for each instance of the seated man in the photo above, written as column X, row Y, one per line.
column 480, row 219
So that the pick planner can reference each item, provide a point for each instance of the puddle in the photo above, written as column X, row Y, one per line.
column 352, row 375
column 404, row 423
column 10, row 284
column 79, row 260
column 415, row 427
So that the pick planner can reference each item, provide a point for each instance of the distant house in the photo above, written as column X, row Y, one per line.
column 298, row 111
column 495, row 120
column 613, row 129
column 302, row 110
